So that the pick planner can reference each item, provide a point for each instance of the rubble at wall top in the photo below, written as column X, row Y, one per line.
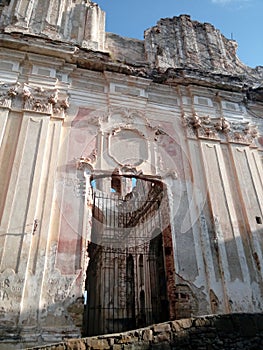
column 174, row 50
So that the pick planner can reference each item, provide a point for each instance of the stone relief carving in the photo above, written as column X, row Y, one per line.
column 135, row 119
column 126, row 113
column 7, row 93
column 85, row 162
column 37, row 99
column 58, row 291
column 119, row 126
column 113, row 124
column 220, row 129
column 60, row 106
column 118, row 118
column 34, row 99
column 127, row 117
column 244, row 133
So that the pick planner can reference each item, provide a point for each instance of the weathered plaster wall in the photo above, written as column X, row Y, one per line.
column 211, row 167
column 63, row 110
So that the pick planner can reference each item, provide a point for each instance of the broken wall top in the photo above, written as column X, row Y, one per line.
column 176, row 50
column 180, row 42
column 79, row 22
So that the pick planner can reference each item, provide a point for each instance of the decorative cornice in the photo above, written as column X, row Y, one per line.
column 244, row 133
column 220, row 129
column 34, row 99
column 103, row 62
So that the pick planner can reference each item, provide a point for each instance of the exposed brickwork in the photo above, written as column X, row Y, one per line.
column 235, row 332
column 170, row 270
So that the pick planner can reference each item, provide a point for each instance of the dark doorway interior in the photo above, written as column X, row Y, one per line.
column 126, row 278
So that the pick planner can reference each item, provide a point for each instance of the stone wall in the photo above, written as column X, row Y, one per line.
column 235, row 331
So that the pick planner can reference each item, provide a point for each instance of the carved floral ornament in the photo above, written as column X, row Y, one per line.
column 122, row 124
column 34, row 99
column 132, row 119
column 220, row 129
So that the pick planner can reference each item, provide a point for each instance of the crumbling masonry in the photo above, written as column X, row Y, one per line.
column 131, row 174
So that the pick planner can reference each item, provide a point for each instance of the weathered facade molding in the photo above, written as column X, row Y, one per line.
column 130, row 180
column 34, row 99
column 220, row 129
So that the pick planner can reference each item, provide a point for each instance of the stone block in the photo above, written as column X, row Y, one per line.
column 134, row 346
column 111, row 341
column 181, row 337
column 75, row 344
column 210, row 334
column 185, row 323
column 147, row 335
column 176, row 326
column 162, row 337
column 116, row 347
column 126, row 339
column 98, row 344
column 137, row 346
column 162, row 327
column 202, row 322
column 58, row 347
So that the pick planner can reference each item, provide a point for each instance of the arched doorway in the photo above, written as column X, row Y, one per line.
column 126, row 276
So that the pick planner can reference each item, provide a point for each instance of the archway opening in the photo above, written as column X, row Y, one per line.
column 126, row 275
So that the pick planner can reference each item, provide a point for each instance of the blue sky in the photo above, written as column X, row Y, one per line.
column 241, row 19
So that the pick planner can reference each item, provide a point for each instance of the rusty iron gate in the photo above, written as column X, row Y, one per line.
column 126, row 281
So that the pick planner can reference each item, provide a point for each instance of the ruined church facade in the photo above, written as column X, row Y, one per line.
column 131, row 174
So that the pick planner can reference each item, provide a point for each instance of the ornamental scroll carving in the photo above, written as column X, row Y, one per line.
column 34, row 99
column 220, row 129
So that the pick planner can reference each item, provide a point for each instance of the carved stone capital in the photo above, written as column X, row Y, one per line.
column 219, row 129
column 32, row 98
column 7, row 93
column 59, row 107
column 243, row 132
column 38, row 99
column 199, row 126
